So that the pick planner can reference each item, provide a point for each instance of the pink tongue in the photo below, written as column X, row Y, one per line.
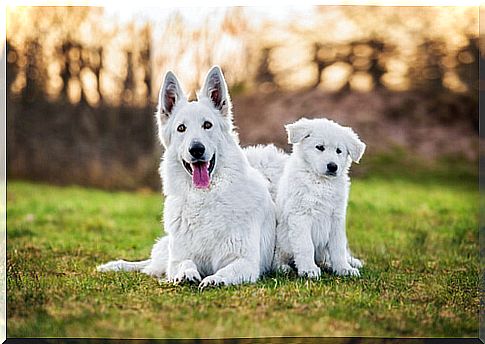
column 200, row 175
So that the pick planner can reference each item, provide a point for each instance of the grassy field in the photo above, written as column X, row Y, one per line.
column 418, row 237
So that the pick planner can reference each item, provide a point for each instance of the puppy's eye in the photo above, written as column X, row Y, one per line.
column 207, row 125
column 339, row 151
column 320, row 148
column 181, row 128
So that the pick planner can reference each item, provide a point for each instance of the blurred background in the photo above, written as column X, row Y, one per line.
column 82, row 83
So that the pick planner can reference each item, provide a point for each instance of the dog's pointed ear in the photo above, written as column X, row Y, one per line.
column 298, row 130
column 215, row 88
column 170, row 94
column 355, row 146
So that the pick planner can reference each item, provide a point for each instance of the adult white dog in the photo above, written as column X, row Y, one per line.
column 312, row 196
column 218, row 213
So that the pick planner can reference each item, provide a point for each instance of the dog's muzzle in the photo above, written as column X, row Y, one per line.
column 201, row 171
column 331, row 169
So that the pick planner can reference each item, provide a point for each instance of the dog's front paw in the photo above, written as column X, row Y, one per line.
column 313, row 272
column 211, row 281
column 347, row 271
column 187, row 276
column 356, row 263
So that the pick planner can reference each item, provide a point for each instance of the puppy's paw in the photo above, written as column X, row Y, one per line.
column 187, row 276
column 211, row 281
column 355, row 263
column 313, row 272
column 347, row 271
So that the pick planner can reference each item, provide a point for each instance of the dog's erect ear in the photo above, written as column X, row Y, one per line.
column 215, row 88
column 298, row 130
column 170, row 94
column 355, row 146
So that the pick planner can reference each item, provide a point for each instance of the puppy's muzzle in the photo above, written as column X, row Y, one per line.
column 332, row 169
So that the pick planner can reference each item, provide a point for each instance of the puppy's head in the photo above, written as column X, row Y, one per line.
column 325, row 146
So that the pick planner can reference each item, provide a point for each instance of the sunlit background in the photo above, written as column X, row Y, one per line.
column 82, row 81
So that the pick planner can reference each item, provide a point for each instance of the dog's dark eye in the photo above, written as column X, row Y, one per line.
column 181, row 128
column 207, row 125
column 339, row 151
column 320, row 148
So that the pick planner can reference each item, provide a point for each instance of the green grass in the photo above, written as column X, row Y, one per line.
column 419, row 240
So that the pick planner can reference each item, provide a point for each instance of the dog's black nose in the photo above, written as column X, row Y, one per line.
column 332, row 167
column 197, row 150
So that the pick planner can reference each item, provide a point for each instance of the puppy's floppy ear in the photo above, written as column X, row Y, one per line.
column 354, row 145
column 215, row 88
column 170, row 94
column 298, row 130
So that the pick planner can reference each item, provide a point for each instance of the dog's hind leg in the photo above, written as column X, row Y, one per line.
column 354, row 262
column 158, row 264
column 324, row 260
column 338, row 249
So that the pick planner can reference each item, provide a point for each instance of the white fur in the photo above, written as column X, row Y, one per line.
column 268, row 160
column 224, row 234
column 311, row 204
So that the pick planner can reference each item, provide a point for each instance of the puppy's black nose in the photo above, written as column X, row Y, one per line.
column 332, row 167
column 197, row 150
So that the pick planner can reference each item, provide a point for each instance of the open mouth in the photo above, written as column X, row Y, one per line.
column 200, row 171
column 331, row 174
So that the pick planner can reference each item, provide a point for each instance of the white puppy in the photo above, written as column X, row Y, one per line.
column 218, row 213
column 312, row 198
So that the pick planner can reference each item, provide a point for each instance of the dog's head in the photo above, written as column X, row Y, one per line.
column 193, row 130
column 327, row 147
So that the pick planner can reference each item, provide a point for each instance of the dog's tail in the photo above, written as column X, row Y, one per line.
column 269, row 161
column 155, row 266
column 123, row 265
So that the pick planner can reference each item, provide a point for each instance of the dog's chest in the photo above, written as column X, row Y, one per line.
column 202, row 212
column 323, row 201
column 204, row 232
column 322, row 198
